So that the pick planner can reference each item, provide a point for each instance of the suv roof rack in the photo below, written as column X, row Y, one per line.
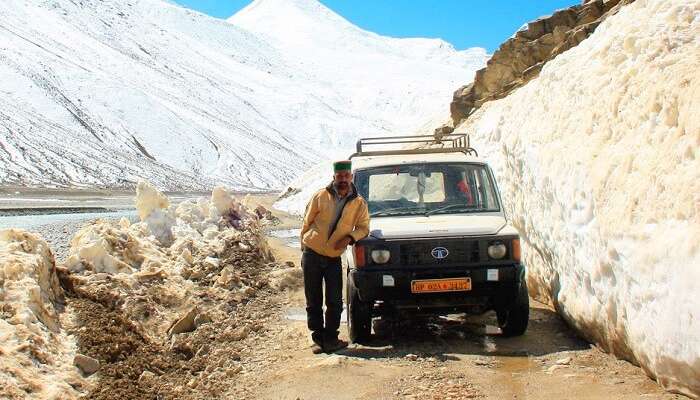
column 452, row 143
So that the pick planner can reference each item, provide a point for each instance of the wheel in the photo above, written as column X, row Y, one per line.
column 513, row 320
column 359, row 317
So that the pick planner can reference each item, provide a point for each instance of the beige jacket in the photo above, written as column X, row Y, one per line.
column 353, row 222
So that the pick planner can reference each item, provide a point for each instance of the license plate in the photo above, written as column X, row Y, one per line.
column 441, row 285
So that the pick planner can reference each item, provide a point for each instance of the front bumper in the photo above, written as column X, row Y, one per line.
column 375, row 285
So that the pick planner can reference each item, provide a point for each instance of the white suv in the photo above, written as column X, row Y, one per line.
column 439, row 240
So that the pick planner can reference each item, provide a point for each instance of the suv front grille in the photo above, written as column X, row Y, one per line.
column 420, row 253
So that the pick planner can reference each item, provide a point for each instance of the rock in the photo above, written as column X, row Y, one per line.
column 443, row 130
column 564, row 361
column 203, row 351
column 146, row 376
column 520, row 58
column 553, row 368
column 287, row 278
column 201, row 319
column 262, row 213
column 87, row 365
column 239, row 333
column 182, row 346
column 186, row 256
column 211, row 262
column 332, row 361
column 233, row 371
column 184, row 324
column 150, row 275
column 411, row 357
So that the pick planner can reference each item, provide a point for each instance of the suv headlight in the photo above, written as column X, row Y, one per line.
column 381, row 256
column 497, row 250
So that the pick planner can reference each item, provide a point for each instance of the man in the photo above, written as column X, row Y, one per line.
column 465, row 188
column 335, row 218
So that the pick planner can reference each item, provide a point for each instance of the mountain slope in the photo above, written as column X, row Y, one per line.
column 104, row 93
column 397, row 79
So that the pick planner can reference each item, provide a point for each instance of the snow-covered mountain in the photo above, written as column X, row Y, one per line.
column 102, row 93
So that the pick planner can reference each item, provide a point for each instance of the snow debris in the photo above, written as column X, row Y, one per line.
column 149, row 199
column 166, row 300
column 152, row 207
column 598, row 163
column 35, row 355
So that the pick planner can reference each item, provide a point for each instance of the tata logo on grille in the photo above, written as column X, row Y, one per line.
column 439, row 253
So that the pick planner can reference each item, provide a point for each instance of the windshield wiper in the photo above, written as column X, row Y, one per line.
column 389, row 211
column 447, row 207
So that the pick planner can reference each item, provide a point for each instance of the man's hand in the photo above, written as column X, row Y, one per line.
column 342, row 243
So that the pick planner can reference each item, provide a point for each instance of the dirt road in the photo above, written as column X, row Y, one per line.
column 439, row 358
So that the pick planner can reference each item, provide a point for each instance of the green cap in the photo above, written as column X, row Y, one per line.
column 345, row 165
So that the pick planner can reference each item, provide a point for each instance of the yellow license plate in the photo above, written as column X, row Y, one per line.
column 441, row 285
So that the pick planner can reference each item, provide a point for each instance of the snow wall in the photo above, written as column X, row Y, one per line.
column 598, row 164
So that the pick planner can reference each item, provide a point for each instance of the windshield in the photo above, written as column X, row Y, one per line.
column 426, row 189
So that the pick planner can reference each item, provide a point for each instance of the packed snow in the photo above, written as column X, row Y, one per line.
column 105, row 93
column 36, row 353
column 599, row 166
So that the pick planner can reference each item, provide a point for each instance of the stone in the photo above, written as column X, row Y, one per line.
column 87, row 365
column 239, row 333
column 203, row 351
column 184, row 324
column 411, row 357
column 443, row 130
column 234, row 371
column 146, row 376
column 564, row 361
column 520, row 58
column 201, row 319
column 553, row 368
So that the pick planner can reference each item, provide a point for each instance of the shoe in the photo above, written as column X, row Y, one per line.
column 331, row 346
column 316, row 349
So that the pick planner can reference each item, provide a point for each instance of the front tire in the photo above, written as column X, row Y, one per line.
column 513, row 320
column 359, row 317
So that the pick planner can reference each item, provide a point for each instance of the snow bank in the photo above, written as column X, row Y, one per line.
column 599, row 168
column 36, row 354
column 167, row 235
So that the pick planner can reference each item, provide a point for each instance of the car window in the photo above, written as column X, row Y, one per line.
column 430, row 188
column 394, row 186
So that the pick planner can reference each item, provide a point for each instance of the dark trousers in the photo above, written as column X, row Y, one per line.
column 320, row 269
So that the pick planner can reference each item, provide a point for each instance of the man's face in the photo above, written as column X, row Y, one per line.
column 342, row 179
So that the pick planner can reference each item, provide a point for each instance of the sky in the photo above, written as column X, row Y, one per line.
column 464, row 23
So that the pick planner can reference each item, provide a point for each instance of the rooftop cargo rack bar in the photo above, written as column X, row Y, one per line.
column 451, row 143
